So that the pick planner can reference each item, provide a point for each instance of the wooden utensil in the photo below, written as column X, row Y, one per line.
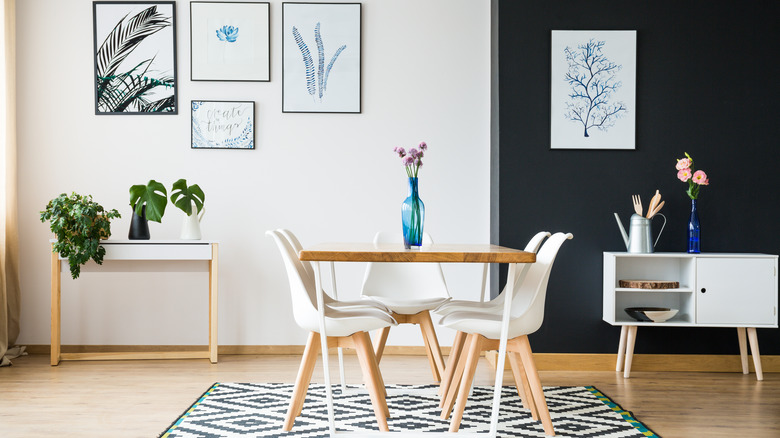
column 657, row 209
column 637, row 204
column 653, row 202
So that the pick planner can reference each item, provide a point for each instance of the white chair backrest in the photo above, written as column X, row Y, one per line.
column 302, row 287
column 296, row 245
column 529, row 295
column 404, row 280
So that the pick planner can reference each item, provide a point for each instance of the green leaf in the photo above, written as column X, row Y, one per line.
column 153, row 195
column 183, row 196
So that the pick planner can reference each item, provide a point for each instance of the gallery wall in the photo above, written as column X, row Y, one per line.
column 705, row 85
column 328, row 177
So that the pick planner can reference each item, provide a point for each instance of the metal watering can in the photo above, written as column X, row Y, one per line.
column 639, row 238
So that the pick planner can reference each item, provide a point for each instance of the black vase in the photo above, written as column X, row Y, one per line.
column 139, row 226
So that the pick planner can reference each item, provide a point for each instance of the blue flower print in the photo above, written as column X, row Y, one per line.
column 227, row 33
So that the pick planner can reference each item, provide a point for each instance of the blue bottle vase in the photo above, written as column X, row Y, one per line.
column 694, row 230
column 413, row 216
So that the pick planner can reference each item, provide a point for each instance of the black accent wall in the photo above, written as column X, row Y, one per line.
column 708, row 83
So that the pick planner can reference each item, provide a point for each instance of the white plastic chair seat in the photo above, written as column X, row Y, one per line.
column 408, row 306
column 485, row 323
column 345, row 322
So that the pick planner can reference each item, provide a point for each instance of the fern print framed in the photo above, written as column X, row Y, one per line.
column 135, row 57
column 230, row 41
column 593, row 89
column 321, row 57
column 223, row 125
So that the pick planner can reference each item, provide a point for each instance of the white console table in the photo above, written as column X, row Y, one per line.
column 142, row 250
column 716, row 290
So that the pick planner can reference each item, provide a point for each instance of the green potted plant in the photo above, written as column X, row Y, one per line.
column 148, row 202
column 79, row 223
column 189, row 199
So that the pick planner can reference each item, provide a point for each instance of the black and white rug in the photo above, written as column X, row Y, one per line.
column 229, row 410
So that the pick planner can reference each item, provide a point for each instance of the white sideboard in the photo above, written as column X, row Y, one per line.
column 117, row 249
column 715, row 290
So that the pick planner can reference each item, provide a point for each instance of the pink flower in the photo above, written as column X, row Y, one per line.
column 683, row 163
column 423, row 146
column 400, row 151
column 700, row 178
column 407, row 160
column 684, row 174
column 413, row 152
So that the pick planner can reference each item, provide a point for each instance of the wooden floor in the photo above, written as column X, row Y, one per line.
column 141, row 398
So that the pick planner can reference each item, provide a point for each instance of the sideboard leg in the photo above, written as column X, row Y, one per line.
column 621, row 354
column 753, row 337
column 629, row 350
column 743, row 354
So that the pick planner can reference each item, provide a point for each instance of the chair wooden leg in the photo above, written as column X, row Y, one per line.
column 465, row 383
column 431, row 344
column 368, row 364
column 449, row 370
column 521, row 343
column 743, row 354
column 448, row 400
column 381, row 339
column 521, row 381
column 305, row 372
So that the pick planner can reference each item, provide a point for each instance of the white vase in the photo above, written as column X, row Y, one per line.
column 190, row 230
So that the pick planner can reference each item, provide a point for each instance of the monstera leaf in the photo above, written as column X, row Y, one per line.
column 183, row 196
column 153, row 195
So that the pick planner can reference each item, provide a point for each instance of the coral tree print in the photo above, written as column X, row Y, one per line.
column 593, row 89
column 321, row 57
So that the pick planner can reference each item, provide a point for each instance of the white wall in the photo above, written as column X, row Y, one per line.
column 328, row 177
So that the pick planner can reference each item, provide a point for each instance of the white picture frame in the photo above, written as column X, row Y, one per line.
column 230, row 41
column 223, row 124
column 321, row 57
column 593, row 89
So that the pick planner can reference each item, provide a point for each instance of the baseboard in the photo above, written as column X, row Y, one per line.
column 544, row 361
column 644, row 362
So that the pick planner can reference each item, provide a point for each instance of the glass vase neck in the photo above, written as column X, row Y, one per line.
column 413, row 186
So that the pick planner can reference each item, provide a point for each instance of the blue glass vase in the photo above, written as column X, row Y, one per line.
column 413, row 216
column 694, row 230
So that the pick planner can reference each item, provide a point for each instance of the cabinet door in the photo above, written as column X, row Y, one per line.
column 740, row 291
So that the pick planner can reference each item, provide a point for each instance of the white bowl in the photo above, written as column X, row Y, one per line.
column 661, row 315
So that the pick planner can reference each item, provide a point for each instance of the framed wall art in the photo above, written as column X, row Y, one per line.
column 321, row 57
column 223, row 125
column 135, row 57
column 230, row 41
column 593, row 88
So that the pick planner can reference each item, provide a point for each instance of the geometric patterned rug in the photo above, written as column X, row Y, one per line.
column 228, row 410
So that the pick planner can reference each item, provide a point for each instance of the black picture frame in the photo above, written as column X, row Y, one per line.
column 299, row 74
column 122, row 70
column 243, row 15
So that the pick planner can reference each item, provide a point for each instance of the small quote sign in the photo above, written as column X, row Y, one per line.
column 223, row 125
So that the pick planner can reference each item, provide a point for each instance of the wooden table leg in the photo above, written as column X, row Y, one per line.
column 753, row 337
column 621, row 354
column 743, row 355
column 55, row 306
column 631, row 339
column 213, row 301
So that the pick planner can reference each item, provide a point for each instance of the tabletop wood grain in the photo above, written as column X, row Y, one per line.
column 441, row 253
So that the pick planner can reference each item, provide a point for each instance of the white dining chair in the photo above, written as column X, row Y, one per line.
column 483, row 331
column 330, row 300
column 410, row 291
column 346, row 327
column 494, row 305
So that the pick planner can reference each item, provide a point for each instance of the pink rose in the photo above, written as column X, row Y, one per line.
column 683, row 163
column 684, row 174
column 700, row 178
